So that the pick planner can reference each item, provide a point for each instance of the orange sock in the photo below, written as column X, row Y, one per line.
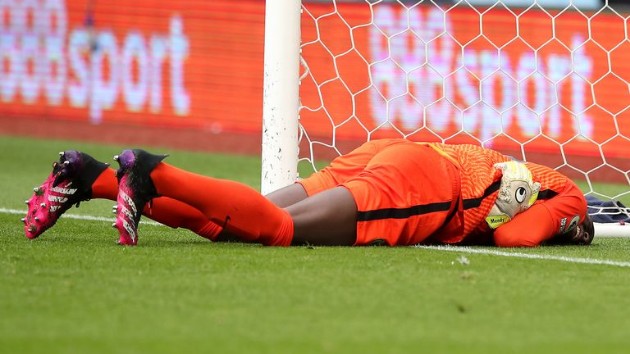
column 174, row 213
column 237, row 207
column 106, row 185
column 166, row 211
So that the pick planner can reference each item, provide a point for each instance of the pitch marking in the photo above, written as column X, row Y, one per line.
column 527, row 255
column 76, row 217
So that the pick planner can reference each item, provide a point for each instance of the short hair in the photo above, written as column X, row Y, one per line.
column 581, row 235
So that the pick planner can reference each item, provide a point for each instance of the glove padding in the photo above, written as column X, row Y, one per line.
column 516, row 194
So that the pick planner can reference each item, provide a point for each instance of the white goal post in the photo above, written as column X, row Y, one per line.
column 546, row 81
column 280, row 94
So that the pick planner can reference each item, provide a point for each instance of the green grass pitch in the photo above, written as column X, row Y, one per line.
column 74, row 290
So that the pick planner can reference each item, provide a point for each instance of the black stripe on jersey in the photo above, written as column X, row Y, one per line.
column 476, row 202
column 393, row 213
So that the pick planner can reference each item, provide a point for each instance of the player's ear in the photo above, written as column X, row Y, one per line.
column 587, row 233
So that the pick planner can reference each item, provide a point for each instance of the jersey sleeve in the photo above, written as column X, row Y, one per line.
column 545, row 219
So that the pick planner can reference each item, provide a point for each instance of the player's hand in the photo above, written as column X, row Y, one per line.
column 517, row 193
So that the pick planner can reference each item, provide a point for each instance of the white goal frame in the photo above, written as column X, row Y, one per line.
column 281, row 87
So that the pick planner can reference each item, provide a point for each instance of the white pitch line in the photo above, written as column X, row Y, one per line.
column 75, row 216
column 438, row 248
column 527, row 255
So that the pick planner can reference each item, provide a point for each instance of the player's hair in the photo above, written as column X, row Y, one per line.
column 583, row 234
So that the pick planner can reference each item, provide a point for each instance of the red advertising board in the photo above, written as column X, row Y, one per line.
column 546, row 80
column 175, row 63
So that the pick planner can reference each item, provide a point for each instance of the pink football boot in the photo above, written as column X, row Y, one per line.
column 135, row 190
column 69, row 183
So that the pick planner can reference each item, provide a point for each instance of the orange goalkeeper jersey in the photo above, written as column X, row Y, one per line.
column 560, row 205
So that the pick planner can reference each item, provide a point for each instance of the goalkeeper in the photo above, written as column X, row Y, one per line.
column 386, row 192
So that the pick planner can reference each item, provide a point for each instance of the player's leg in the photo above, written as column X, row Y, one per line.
column 234, row 206
column 288, row 195
column 238, row 208
column 166, row 211
column 282, row 198
column 328, row 218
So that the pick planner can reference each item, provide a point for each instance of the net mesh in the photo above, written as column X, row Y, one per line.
column 547, row 85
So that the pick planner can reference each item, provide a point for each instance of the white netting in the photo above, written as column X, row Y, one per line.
column 548, row 85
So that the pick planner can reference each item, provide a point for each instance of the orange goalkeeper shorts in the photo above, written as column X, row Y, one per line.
column 404, row 191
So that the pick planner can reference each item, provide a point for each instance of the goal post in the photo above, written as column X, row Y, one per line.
column 280, row 94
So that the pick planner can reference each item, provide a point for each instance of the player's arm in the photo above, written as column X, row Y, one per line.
column 544, row 220
column 528, row 229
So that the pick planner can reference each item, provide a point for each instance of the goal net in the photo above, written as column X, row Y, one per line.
column 546, row 81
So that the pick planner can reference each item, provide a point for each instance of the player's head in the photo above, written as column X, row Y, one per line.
column 582, row 234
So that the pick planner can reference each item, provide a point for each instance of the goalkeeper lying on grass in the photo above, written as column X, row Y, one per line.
column 390, row 192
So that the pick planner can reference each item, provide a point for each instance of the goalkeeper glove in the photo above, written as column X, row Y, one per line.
column 516, row 194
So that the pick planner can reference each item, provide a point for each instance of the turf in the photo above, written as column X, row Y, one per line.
column 74, row 291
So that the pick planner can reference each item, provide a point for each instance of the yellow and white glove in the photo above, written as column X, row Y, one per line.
column 516, row 194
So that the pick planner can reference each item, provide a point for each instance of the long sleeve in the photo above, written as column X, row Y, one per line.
column 545, row 219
